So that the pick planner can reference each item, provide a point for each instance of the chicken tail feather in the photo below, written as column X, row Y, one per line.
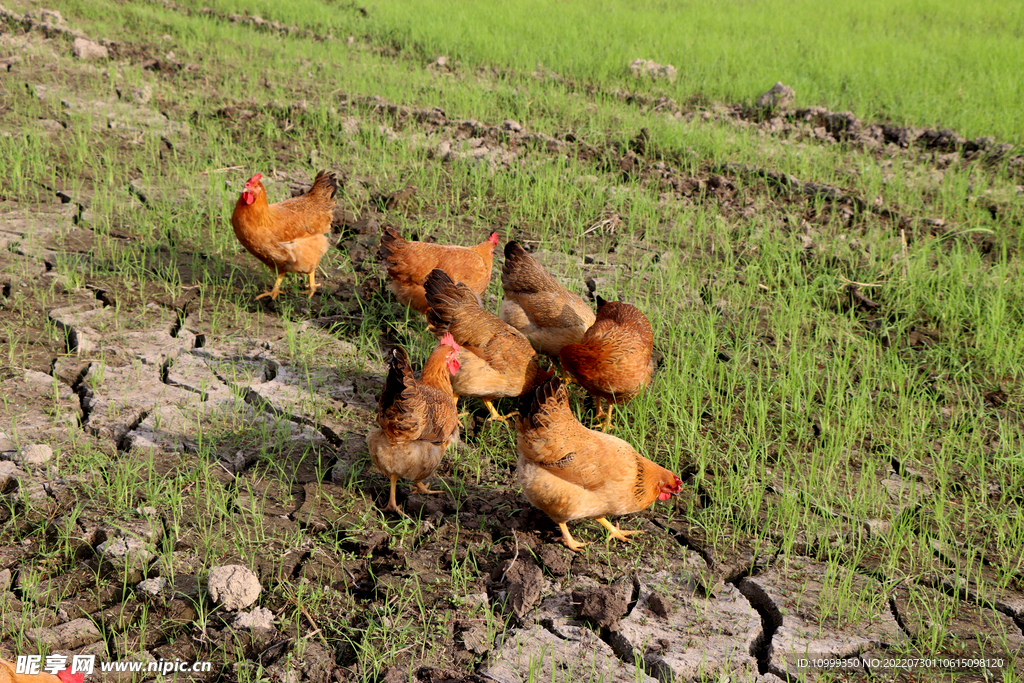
column 521, row 272
column 325, row 184
column 399, row 373
column 390, row 243
column 444, row 298
column 546, row 398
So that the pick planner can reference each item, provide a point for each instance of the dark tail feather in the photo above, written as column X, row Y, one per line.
column 440, row 291
column 325, row 183
column 387, row 244
column 398, row 372
column 534, row 401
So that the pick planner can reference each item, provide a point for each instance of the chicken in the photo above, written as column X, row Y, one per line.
column 8, row 675
column 613, row 361
column 538, row 306
column 287, row 236
column 497, row 360
column 417, row 419
column 409, row 263
column 571, row 472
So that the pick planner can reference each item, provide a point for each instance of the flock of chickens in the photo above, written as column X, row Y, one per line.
column 565, row 469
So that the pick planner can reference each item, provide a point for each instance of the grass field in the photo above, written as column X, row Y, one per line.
column 838, row 308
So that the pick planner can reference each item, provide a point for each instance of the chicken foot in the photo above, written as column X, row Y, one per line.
column 392, row 503
column 601, row 413
column 614, row 531
column 312, row 285
column 463, row 414
column 496, row 416
column 570, row 542
column 273, row 291
column 423, row 488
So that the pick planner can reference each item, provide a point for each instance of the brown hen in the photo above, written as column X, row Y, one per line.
column 496, row 359
column 538, row 306
column 613, row 360
column 287, row 236
column 408, row 264
column 417, row 419
column 571, row 472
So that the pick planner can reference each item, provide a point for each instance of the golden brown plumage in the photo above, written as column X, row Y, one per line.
column 409, row 263
column 417, row 420
column 613, row 360
column 497, row 360
column 287, row 236
column 538, row 306
column 571, row 472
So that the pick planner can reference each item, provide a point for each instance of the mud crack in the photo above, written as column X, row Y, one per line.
column 771, row 620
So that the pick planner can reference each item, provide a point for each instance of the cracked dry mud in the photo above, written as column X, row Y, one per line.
column 147, row 380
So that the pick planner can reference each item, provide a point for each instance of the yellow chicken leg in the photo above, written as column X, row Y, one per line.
column 423, row 488
column 273, row 291
column 495, row 415
column 392, row 503
column 568, row 540
column 614, row 531
column 601, row 413
column 608, row 419
column 312, row 285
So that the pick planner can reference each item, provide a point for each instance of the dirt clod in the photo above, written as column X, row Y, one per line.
column 603, row 606
column 524, row 580
column 233, row 586
column 88, row 50
column 258, row 618
column 779, row 96
column 35, row 454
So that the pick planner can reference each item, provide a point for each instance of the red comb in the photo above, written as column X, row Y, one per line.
column 67, row 677
column 449, row 340
column 255, row 179
column 493, row 238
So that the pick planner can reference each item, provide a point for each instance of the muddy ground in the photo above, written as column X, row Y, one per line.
column 156, row 385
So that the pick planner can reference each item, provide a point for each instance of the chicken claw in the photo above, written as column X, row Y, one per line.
column 312, row 286
column 273, row 291
column 568, row 540
column 614, row 531
column 392, row 503
column 606, row 415
column 423, row 488
column 496, row 416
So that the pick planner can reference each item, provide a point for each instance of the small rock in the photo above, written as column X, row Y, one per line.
column 779, row 97
column 51, row 16
column 5, row 580
column 142, row 94
column 152, row 586
column 472, row 600
column 9, row 472
column 512, row 126
column 126, row 552
column 146, row 511
column 651, row 69
column 51, row 126
column 234, row 586
column 258, row 618
column 35, row 454
column 67, row 636
column 88, row 50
